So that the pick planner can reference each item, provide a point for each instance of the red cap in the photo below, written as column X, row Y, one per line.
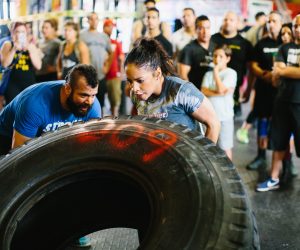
column 108, row 22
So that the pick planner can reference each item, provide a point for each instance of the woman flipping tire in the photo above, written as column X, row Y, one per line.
column 172, row 185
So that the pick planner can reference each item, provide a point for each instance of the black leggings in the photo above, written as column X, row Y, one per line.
column 251, row 117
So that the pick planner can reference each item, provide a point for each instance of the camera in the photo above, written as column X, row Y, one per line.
column 22, row 39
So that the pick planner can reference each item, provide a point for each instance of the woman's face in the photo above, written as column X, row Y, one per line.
column 144, row 81
column 70, row 33
column 286, row 35
column 19, row 31
column 47, row 30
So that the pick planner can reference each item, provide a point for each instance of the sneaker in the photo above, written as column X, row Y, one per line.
column 256, row 163
column 242, row 135
column 82, row 242
column 268, row 185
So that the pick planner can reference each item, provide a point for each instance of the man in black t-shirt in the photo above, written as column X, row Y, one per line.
column 286, row 113
column 241, row 51
column 153, row 30
column 264, row 55
column 196, row 57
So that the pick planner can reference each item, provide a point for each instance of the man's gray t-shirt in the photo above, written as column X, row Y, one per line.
column 99, row 46
column 177, row 101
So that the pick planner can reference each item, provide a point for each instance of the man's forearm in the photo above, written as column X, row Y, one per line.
column 290, row 72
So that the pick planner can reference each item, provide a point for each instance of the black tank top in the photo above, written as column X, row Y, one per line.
column 22, row 72
column 68, row 62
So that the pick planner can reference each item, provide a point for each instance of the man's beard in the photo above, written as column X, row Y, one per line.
column 76, row 108
column 226, row 31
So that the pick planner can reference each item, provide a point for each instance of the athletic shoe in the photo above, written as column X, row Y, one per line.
column 268, row 185
column 82, row 242
column 256, row 163
column 242, row 135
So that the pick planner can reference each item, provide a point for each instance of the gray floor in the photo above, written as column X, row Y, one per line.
column 277, row 212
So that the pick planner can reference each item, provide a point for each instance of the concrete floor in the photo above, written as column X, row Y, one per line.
column 277, row 212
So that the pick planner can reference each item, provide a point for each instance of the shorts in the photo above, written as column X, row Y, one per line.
column 264, row 99
column 114, row 91
column 263, row 127
column 225, row 140
column 285, row 122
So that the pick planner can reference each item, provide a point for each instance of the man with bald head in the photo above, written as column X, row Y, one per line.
column 241, row 51
column 264, row 54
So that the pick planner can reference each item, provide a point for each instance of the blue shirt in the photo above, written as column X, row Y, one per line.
column 177, row 101
column 38, row 109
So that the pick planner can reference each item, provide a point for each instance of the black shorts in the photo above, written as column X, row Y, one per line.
column 285, row 122
column 264, row 99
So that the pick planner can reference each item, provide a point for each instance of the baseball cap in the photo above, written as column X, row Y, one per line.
column 108, row 22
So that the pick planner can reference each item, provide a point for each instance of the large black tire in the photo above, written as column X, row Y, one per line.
column 175, row 187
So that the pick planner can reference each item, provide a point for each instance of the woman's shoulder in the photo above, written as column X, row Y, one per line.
column 176, row 84
column 175, row 80
column 7, row 44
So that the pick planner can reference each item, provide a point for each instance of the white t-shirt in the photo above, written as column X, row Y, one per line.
column 223, row 105
column 181, row 38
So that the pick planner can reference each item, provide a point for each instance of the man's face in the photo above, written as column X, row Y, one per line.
column 296, row 29
column 230, row 23
column 108, row 29
column 188, row 18
column 274, row 24
column 81, row 97
column 262, row 20
column 152, row 20
column 93, row 21
column 203, row 31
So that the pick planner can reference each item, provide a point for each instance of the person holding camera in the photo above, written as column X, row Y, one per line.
column 20, row 57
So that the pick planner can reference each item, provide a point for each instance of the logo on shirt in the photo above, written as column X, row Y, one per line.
column 270, row 50
column 234, row 47
column 56, row 125
column 67, row 63
column 158, row 115
column 293, row 58
column 207, row 61
column 22, row 63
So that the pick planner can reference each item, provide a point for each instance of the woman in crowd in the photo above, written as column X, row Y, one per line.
column 50, row 49
column 72, row 51
column 286, row 33
column 22, row 57
column 156, row 92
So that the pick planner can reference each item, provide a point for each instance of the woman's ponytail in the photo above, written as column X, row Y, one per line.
column 148, row 52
